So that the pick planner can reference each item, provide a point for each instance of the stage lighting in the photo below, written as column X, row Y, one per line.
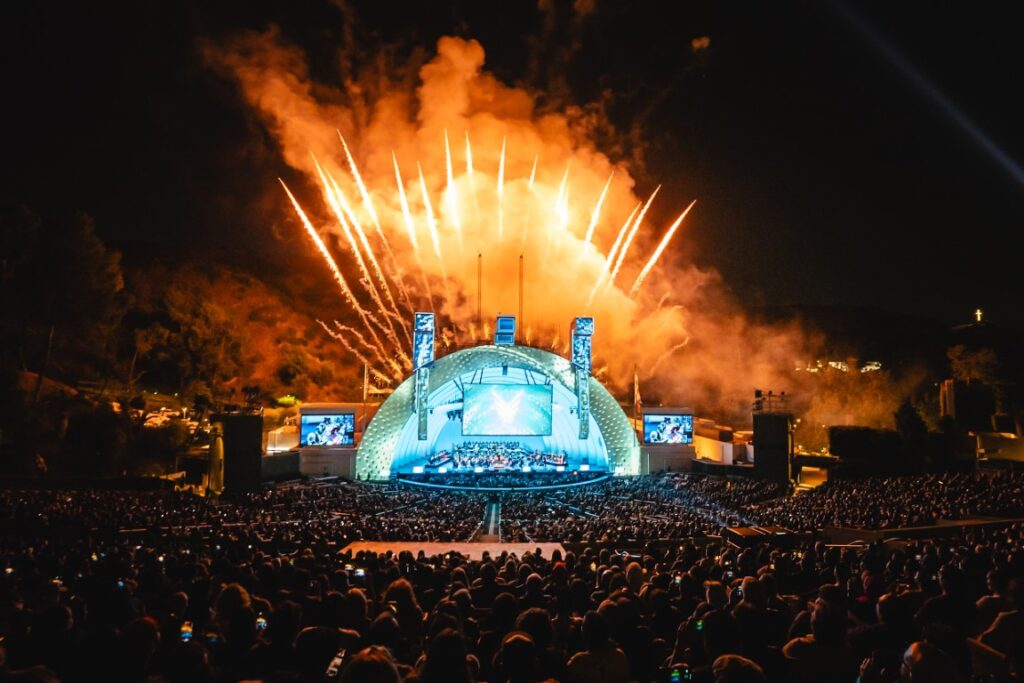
column 442, row 470
column 526, row 468
column 478, row 469
column 560, row 468
column 417, row 469
column 584, row 468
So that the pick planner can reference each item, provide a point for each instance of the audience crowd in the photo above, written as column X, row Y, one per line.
column 895, row 502
column 160, row 586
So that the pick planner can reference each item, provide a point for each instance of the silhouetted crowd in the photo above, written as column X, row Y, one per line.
column 159, row 586
column 896, row 502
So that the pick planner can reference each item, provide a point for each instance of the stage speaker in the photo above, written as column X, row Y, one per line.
column 242, row 437
column 773, row 446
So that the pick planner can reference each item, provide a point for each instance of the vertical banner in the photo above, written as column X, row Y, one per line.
column 422, row 392
column 582, row 331
column 422, row 357
column 423, row 340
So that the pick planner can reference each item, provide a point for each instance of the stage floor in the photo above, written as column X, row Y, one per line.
column 475, row 551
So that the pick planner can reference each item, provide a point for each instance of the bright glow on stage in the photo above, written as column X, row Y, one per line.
column 506, row 410
column 494, row 409
column 499, row 419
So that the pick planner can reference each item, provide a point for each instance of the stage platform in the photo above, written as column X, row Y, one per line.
column 474, row 551
column 523, row 487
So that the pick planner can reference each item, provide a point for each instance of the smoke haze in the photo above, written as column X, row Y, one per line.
column 689, row 339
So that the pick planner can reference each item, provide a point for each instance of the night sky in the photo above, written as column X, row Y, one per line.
column 824, row 175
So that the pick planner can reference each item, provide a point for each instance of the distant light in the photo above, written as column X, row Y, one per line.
column 442, row 470
column 559, row 468
column 584, row 468
column 385, row 472
column 417, row 469
column 620, row 469
column 526, row 468
column 478, row 469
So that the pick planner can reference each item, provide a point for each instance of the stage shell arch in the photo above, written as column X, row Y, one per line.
column 381, row 441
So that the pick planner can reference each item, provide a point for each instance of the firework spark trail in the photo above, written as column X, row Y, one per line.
column 337, row 336
column 365, row 315
column 447, row 337
column 396, row 270
column 333, row 196
column 389, row 361
column 611, row 255
column 561, row 207
column 472, row 184
column 381, row 376
column 661, row 301
column 501, row 191
column 411, row 228
column 356, row 226
column 391, row 313
column 360, row 233
column 662, row 357
column 451, row 193
column 617, row 244
column 657, row 252
column 629, row 239
column 594, row 216
column 432, row 225
column 406, row 214
column 533, row 171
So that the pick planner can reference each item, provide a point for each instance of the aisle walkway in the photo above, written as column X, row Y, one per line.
column 490, row 530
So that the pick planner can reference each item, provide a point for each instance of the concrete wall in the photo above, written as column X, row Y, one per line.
column 278, row 465
column 318, row 462
column 712, row 449
column 674, row 458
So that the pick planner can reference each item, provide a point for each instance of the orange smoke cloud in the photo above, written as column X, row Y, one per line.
column 680, row 329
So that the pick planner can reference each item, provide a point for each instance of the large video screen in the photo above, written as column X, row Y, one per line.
column 506, row 410
column 327, row 430
column 668, row 428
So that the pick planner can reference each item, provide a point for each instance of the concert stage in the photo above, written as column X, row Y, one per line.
column 474, row 551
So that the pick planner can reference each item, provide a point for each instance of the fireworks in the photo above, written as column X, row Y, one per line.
column 382, row 342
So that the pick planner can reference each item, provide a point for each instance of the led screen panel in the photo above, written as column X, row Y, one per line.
column 506, row 410
column 327, row 430
column 673, row 429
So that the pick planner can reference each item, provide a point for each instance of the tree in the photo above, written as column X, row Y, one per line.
column 912, row 430
column 193, row 344
column 981, row 365
column 62, row 295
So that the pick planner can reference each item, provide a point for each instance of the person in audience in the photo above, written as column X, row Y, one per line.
column 161, row 585
column 371, row 665
column 601, row 660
